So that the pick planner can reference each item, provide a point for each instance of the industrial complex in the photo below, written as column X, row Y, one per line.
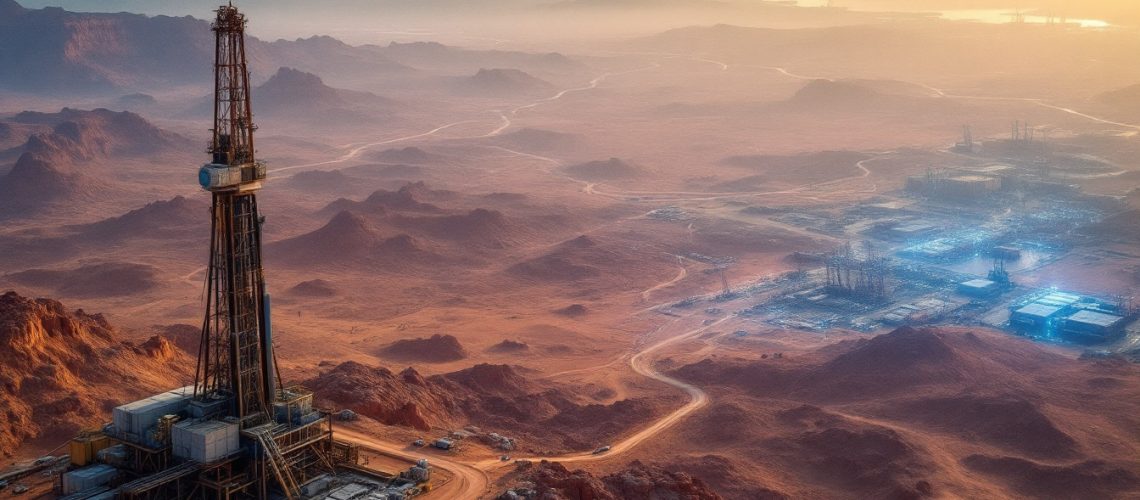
column 237, row 432
column 949, row 249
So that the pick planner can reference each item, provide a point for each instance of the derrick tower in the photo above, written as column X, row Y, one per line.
column 237, row 433
column 235, row 359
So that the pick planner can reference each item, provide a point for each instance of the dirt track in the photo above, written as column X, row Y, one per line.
column 466, row 482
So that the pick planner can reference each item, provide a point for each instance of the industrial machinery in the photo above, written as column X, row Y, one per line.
column 237, row 432
column 862, row 277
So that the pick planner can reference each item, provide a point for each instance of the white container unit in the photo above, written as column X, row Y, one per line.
column 88, row 477
column 134, row 419
column 205, row 441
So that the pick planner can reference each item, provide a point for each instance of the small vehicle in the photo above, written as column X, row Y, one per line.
column 419, row 443
column 601, row 450
column 504, row 458
column 18, row 489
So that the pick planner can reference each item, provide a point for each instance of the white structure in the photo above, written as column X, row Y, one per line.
column 134, row 419
column 206, row 441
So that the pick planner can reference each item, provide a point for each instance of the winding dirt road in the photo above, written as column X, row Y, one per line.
column 641, row 363
column 666, row 284
column 357, row 150
column 467, row 482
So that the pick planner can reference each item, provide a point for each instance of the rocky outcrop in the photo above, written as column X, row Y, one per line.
column 60, row 369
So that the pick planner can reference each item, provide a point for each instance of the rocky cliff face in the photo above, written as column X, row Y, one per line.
column 63, row 370
column 544, row 417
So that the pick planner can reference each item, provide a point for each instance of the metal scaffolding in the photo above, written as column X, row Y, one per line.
column 861, row 275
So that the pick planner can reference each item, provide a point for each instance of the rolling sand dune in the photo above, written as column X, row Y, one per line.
column 1091, row 478
column 570, row 261
column 573, row 311
column 811, row 167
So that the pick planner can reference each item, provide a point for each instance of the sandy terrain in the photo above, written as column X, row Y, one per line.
column 506, row 239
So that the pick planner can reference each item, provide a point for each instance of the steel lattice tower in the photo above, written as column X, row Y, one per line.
column 240, row 434
column 235, row 359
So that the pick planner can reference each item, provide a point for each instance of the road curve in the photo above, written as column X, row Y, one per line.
column 472, row 481
column 643, row 365
column 467, row 483
column 666, row 284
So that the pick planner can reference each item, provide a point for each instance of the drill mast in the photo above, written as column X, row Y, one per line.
column 235, row 359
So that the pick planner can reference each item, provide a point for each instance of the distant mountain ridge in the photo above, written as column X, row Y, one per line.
column 47, row 169
column 51, row 50
column 502, row 82
column 420, row 54
column 292, row 93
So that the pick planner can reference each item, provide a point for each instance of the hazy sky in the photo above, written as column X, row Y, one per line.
column 378, row 21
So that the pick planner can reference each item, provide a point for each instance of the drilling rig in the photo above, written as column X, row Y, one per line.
column 237, row 432
column 235, row 355
column 235, row 377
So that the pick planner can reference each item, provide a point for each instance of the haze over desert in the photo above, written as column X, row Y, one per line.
column 569, row 249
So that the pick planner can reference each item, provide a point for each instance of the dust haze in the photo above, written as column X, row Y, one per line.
column 615, row 249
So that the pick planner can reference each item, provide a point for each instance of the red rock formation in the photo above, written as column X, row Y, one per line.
column 552, row 480
column 60, row 369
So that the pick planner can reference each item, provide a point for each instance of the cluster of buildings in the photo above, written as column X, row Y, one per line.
column 1071, row 317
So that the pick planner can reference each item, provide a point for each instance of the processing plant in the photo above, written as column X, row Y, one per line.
column 237, row 432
